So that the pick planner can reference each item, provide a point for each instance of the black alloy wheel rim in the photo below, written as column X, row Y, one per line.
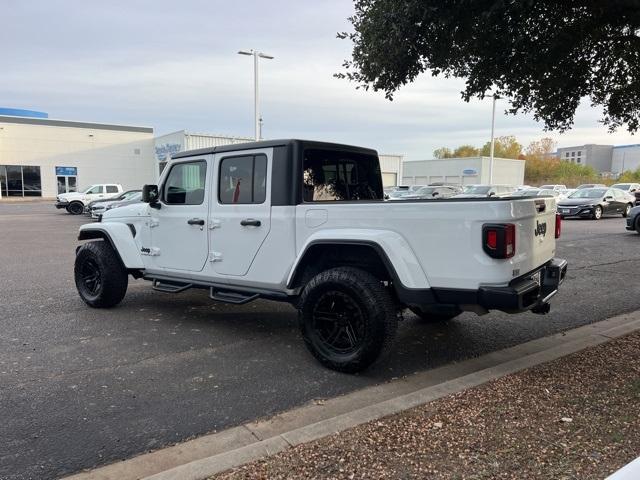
column 338, row 323
column 91, row 277
column 76, row 209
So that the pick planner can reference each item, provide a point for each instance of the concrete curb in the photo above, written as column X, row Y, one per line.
column 211, row 454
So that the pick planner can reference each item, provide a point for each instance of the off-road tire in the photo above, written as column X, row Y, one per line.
column 426, row 316
column 75, row 208
column 111, row 276
column 373, row 313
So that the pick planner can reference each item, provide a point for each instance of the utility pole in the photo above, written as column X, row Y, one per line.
column 493, row 140
column 256, row 92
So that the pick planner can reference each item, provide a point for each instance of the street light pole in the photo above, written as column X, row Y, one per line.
column 493, row 140
column 256, row 92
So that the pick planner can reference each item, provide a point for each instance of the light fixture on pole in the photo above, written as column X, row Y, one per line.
column 256, row 107
column 493, row 140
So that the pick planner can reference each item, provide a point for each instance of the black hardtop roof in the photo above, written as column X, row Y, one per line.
column 273, row 143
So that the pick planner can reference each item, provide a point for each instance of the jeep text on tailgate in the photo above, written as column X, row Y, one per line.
column 306, row 223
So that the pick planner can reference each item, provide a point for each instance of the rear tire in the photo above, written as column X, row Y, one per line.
column 75, row 208
column 627, row 209
column 431, row 316
column 347, row 318
column 597, row 213
column 100, row 277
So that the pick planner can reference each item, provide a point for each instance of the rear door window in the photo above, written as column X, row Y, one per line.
column 243, row 179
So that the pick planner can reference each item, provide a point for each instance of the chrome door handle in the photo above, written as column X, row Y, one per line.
column 250, row 222
column 196, row 221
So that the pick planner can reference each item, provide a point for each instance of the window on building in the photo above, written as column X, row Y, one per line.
column 579, row 152
column 243, row 179
column 185, row 183
column 566, row 154
column 333, row 176
column 20, row 181
column 578, row 160
column 573, row 154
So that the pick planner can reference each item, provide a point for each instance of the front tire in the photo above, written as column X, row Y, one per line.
column 627, row 209
column 597, row 213
column 100, row 277
column 347, row 318
column 75, row 208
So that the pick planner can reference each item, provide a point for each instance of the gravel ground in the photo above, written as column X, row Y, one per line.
column 576, row 417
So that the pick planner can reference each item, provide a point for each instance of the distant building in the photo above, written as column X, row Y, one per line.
column 464, row 171
column 596, row 156
column 625, row 158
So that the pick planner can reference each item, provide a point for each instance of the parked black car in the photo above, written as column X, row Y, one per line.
column 633, row 219
column 596, row 202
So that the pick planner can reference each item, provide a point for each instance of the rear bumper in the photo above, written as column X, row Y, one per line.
column 527, row 292
column 524, row 293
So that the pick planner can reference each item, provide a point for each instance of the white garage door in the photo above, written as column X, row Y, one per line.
column 389, row 179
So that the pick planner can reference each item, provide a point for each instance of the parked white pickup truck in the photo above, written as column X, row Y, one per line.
column 74, row 202
column 306, row 223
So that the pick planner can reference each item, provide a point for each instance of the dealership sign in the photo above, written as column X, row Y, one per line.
column 469, row 171
column 66, row 171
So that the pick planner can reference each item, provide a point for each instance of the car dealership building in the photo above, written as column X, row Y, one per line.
column 42, row 157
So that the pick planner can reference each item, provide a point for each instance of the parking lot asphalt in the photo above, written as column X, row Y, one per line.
column 81, row 387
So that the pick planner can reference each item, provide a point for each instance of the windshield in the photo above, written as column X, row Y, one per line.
column 526, row 193
column 547, row 187
column 477, row 189
column 588, row 193
column 426, row 191
column 622, row 186
column 130, row 195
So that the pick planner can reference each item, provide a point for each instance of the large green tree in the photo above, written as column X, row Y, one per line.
column 542, row 56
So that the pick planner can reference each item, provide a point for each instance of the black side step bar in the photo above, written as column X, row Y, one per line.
column 230, row 296
column 170, row 287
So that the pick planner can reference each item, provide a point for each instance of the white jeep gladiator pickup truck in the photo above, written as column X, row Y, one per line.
column 306, row 223
column 74, row 202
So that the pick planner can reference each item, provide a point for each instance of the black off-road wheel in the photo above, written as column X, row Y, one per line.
column 347, row 318
column 75, row 208
column 435, row 315
column 101, row 279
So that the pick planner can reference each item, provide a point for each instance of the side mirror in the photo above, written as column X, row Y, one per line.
column 435, row 194
column 492, row 194
column 608, row 198
column 150, row 195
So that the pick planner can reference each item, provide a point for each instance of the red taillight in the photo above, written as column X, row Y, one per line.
column 492, row 239
column 499, row 240
column 558, row 225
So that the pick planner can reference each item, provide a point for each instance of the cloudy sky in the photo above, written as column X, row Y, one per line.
column 173, row 65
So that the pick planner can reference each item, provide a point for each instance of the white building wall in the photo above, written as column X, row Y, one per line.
column 101, row 155
column 391, row 167
column 463, row 171
column 625, row 158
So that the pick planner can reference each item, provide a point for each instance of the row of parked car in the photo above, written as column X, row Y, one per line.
column 587, row 201
column 97, row 199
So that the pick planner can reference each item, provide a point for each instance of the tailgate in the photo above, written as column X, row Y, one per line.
column 535, row 238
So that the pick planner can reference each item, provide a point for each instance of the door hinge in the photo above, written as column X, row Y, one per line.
column 214, row 223
column 215, row 257
column 153, row 223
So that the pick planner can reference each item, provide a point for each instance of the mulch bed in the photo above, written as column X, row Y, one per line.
column 574, row 418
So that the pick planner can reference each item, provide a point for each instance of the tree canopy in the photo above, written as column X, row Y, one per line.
column 543, row 57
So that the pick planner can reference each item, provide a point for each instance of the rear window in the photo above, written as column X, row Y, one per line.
column 330, row 176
